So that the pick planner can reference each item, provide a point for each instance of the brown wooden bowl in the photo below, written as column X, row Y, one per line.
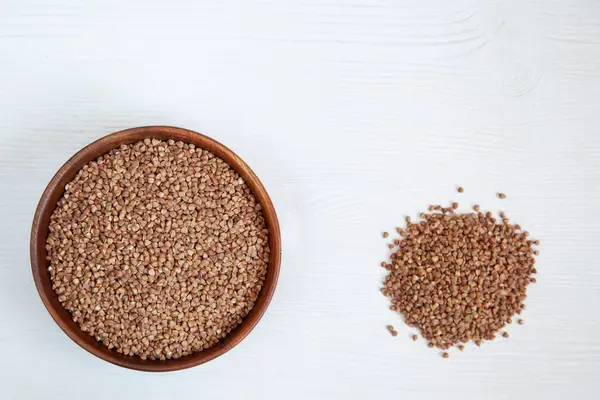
column 55, row 190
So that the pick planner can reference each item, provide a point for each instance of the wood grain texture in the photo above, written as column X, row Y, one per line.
column 353, row 113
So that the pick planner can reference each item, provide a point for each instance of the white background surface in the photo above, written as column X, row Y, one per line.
column 353, row 113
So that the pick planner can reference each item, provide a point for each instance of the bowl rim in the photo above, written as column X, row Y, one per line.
column 54, row 191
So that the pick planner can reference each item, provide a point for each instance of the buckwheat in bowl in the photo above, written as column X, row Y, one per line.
column 155, row 248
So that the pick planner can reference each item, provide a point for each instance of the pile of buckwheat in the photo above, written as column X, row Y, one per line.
column 459, row 277
column 157, row 249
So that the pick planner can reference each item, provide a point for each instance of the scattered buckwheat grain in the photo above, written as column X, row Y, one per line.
column 385, row 234
column 460, row 189
column 460, row 277
column 501, row 195
column 414, row 338
column 157, row 249
column 445, row 355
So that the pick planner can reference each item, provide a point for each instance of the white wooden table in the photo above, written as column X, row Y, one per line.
column 354, row 113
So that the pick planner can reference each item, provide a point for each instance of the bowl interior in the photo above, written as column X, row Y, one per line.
column 55, row 190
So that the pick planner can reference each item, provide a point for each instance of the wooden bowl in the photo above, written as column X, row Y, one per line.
column 54, row 191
